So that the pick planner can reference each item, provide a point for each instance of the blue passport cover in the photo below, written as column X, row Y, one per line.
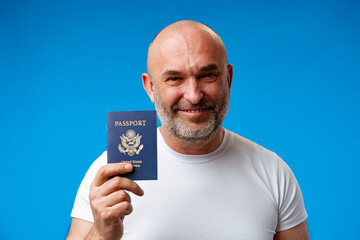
column 131, row 138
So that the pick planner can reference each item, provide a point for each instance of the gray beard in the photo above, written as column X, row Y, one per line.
column 187, row 132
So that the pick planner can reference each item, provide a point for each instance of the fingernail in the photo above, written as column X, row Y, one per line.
column 128, row 166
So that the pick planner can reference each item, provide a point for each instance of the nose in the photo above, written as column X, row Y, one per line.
column 193, row 91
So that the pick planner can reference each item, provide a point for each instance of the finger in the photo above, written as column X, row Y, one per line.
column 119, row 183
column 109, row 170
column 117, row 211
column 117, row 197
column 121, row 209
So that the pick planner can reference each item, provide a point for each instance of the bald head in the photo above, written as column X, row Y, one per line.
column 189, row 81
column 184, row 36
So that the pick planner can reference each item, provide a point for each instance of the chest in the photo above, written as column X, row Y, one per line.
column 202, row 201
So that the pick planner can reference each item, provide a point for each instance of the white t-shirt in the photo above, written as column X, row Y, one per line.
column 239, row 191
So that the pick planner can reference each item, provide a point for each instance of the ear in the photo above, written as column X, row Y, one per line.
column 148, row 86
column 230, row 75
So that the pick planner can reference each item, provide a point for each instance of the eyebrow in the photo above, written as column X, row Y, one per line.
column 170, row 73
column 210, row 67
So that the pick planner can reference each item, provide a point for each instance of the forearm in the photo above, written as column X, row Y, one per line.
column 93, row 234
column 112, row 233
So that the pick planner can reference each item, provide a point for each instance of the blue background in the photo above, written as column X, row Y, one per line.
column 63, row 64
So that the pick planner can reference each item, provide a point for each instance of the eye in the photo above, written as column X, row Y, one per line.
column 208, row 77
column 174, row 81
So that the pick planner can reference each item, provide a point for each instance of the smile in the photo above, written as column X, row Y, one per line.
column 194, row 111
column 192, row 114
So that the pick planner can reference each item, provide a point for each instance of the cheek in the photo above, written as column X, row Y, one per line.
column 170, row 96
column 214, row 90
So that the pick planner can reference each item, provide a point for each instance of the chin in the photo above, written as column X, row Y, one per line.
column 194, row 133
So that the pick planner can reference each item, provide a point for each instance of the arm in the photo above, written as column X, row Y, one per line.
column 109, row 202
column 299, row 232
column 79, row 229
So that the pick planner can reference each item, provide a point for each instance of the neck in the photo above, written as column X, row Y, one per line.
column 204, row 147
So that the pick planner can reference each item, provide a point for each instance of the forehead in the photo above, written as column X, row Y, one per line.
column 185, row 50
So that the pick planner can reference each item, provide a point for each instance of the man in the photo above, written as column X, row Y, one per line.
column 213, row 184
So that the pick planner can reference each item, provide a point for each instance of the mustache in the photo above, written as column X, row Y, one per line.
column 203, row 104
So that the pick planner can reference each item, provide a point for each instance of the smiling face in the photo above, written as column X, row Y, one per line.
column 189, row 81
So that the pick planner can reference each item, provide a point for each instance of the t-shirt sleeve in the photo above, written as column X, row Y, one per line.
column 290, row 200
column 82, row 209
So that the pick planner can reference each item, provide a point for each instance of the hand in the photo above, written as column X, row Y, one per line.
column 109, row 201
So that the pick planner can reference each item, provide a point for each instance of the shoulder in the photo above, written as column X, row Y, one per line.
column 246, row 144
column 81, row 209
column 95, row 166
column 251, row 150
column 99, row 162
column 265, row 164
column 276, row 175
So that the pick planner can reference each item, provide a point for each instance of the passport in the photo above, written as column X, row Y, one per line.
column 131, row 138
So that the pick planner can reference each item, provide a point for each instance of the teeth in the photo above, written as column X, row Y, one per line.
column 195, row 111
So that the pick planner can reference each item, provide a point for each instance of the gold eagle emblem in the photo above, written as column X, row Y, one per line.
column 129, row 143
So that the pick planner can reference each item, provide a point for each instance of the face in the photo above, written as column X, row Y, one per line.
column 190, row 86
